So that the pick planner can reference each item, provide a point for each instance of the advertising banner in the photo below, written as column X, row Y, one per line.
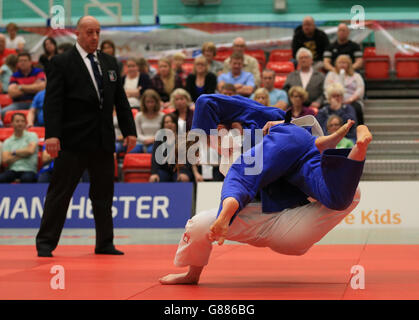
column 135, row 205
column 383, row 204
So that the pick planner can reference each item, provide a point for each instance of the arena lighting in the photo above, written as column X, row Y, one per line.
column 280, row 5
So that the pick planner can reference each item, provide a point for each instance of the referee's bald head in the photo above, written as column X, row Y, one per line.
column 86, row 19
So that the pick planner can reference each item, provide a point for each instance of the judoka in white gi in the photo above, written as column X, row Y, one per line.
column 307, row 187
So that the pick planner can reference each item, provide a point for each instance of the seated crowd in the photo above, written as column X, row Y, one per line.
column 325, row 84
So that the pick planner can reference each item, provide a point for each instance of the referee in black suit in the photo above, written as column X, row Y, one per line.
column 83, row 87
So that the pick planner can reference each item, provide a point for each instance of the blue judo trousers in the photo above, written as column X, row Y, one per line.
column 292, row 167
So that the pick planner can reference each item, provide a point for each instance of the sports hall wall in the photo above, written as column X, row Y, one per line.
column 174, row 11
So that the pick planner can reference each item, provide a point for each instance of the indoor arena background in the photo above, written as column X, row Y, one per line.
column 381, row 235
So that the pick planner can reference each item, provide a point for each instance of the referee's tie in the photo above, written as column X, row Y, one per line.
column 98, row 76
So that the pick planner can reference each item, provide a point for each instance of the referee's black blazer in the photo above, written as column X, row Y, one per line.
column 72, row 109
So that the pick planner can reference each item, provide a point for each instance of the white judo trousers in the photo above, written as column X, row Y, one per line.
column 290, row 232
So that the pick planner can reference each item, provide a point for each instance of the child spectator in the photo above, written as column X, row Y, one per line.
column 261, row 95
column 165, row 81
column 6, row 72
column 148, row 121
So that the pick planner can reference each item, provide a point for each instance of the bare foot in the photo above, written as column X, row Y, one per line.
column 331, row 141
column 190, row 277
column 178, row 278
column 363, row 139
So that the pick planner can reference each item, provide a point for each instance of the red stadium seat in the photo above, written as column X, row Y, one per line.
column 280, row 81
column 407, row 65
column 116, row 172
column 377, row 67
column 153, row 63
column 134, row 112
column 281, row 67
column 168, row 110
column 137, row 167
column 5, row 100
column 223, row 54
column 280, row 55
column 40, row 132
column 369, row 52
column 9, row 114
column 259, row 55
column 188, row 67
column 40, row 159
column 5, row 133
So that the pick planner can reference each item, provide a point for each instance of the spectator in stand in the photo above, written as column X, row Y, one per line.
column 4, row 52
column 334, row 94
column 13, row 41
column 242, row 80
column 181, row 100
column 352, row 81
column 209, row 51
column 63, row 47
column 261, row 95
column 145, row 68
column 343, row 45
column 201, row 81
column 312, row 38
column 6, row 72
column 50, row 50
column 277, row 97
column 108, row 47
column 333, row 124
column 36, row 111
column 228, row 89
column 178, row 61
column 135, row 83
column 163, row 160
column 24, row 84
column 20, row 153
column 165, row 81
column 297, row 96
column 308, row 78
column 250, row 64
column 148, row 121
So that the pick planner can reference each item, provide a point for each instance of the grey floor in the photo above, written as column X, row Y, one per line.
column 172, row 236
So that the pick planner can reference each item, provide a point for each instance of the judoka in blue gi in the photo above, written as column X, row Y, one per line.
column 307, row 187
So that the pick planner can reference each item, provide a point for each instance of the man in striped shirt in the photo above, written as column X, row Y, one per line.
column 24, row 84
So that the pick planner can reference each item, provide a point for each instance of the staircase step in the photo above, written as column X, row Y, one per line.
column 391, row 169
column 389, row 176
column 371, row 110
column 393, row 126
column 392, row 103
column 405, row 118
column 396, row 135
column 391, row 156
column 394, row 145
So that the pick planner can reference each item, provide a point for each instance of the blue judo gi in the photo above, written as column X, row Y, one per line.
column 292, row 167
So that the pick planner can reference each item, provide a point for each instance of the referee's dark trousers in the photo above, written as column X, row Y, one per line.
column 68, row 169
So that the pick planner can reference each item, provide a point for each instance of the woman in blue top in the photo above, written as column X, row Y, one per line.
column 296, row 167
